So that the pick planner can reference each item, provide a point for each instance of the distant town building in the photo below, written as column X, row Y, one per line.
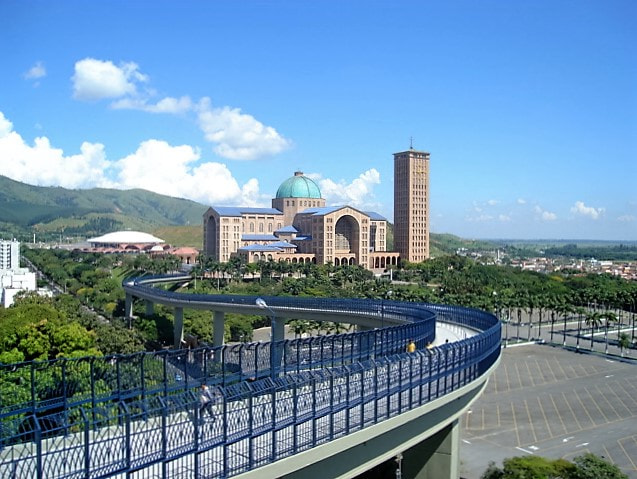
column 13, row 279
column 299, row 228
column 9, row 255
column 411, row 205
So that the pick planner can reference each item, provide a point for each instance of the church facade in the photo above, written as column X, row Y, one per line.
column 298, row 228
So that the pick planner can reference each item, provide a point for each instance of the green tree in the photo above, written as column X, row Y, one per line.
column 590, row 466
column 623, row 342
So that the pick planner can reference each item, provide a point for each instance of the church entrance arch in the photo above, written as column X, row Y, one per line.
column 347, row 235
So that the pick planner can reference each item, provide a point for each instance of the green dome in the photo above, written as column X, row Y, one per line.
column 298, row 186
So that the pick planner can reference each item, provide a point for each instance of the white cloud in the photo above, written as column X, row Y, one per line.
column 492, row 202
column 238, row 136
column 156, row 166
column 581, row 209
column 165, row 105
column 504, row 218
column 480, row 218
column 173, row 170
column 97, row 79
column 36, row 72
column 626, row 218
column 359, row 193
column 545, row 215
column 521, row 201
column 43, row 165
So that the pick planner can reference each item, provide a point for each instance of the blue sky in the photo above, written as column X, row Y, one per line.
column 529, row 109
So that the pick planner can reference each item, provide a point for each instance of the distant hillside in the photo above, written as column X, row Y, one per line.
column 25, row 209
column 182, row 235
column 444, row 244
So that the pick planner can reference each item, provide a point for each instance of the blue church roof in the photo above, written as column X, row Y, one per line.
column 284, row 244
column 287, row 229
column 239, row 210
column 253, row 237
column 260, row 247
column 375, row 216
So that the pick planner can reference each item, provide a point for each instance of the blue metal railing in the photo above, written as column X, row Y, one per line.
column 139, row 414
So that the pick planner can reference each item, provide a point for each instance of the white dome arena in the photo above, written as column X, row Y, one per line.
column 125, row 237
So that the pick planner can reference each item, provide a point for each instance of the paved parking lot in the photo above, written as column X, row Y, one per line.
column 554, row 403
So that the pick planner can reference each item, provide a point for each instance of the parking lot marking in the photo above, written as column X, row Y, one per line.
column 523, row 450
column 629, row 394
column 517, row 371
column 530, row 374
column 619, row 442
column 548, row 425
column 572, row 412
column 528, row 415
column 610, row 404
column 557, row 413
column 506, row 375
column 564, row 375
column 494, row 379
column 515, row 424
column 497, row 410
column 584, row 407
column 612, row 387
column 550, row 369
column 596, row 403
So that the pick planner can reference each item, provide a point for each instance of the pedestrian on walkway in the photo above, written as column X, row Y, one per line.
column 411, row 346
column 206, row 402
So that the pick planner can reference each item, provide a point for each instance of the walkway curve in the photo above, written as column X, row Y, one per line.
column 139, row 415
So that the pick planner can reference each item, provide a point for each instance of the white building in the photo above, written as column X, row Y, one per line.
column 9, row 255
column 13, row 279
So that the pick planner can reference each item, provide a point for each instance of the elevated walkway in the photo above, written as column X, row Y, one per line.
column 332, row 406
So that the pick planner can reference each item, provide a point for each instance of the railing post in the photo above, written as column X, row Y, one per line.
column 92, row 373
column 87, row 449
column 273, row 419
column 38, row 448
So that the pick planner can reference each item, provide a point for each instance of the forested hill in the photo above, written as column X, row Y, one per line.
column 25, row 208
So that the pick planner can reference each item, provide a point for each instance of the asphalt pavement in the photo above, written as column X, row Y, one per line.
column 555, row 403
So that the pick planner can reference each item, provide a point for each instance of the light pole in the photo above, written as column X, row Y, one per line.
column 274, row 357
column 382, row 316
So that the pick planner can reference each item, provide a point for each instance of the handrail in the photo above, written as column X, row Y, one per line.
column 124, row 398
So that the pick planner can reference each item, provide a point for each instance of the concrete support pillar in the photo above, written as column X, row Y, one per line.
column 436, row 457
column 178, row 327
column 150, row 308
column 218, row 330
column 128, row 306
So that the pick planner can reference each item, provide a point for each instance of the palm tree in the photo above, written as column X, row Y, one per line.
column 580, row 314
column 552, row 303
column 530, row 304
column 594, row 319
column 610, row 317
column 623, row 342
column 520, row 303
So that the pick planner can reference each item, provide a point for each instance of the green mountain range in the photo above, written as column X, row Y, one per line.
column 26, row 209
column 54, row 214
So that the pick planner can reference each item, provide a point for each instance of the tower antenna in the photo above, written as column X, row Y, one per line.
column 411, row 142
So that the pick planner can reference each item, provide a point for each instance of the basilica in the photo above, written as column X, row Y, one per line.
column 298, row 228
